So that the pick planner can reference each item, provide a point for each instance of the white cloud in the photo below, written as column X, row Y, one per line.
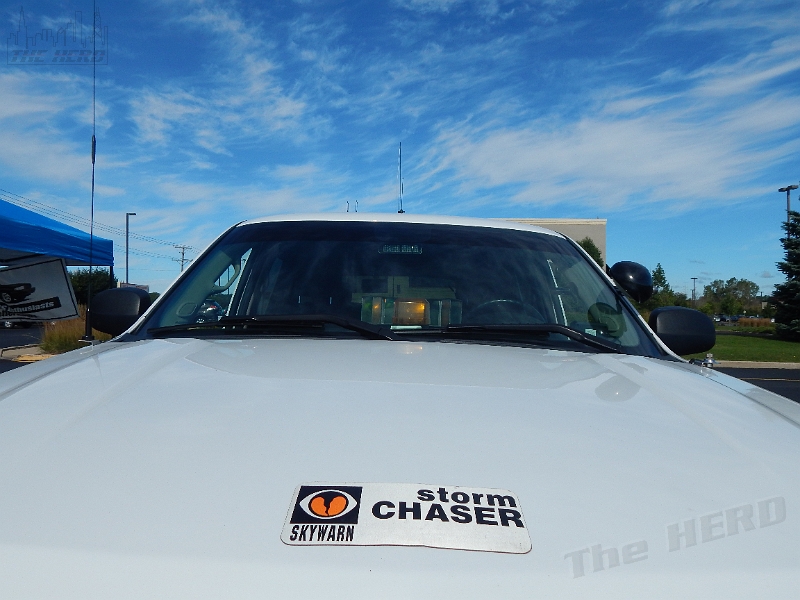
column 547, row 10
column 238, row 96
column 429, row 5
column 751, row 72
column 24, row 98
column 681, row 6
column 296, row 171
column 634, row 148
column 41, row 116
column 606, row 163
column 238, row 202
column 157, row 113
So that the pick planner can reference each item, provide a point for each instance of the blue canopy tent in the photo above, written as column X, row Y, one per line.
column 26, row 234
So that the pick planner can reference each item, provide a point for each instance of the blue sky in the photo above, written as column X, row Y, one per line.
column 675, row 120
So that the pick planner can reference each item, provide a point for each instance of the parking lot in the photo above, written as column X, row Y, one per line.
column 17, row 337
column 785, row 382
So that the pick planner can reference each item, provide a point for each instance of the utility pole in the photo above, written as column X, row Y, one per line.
column 788, row 189
column 127, row 234
column 694, row 292
column 183, row 260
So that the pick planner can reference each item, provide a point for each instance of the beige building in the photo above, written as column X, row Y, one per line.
column 577, row 229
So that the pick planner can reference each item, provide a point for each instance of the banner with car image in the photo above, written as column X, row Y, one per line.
column 37, row 291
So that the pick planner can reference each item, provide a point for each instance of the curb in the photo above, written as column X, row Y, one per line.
column 28, row 358
column 13, row 352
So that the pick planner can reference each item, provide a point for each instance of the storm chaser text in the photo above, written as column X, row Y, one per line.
column 456, row 507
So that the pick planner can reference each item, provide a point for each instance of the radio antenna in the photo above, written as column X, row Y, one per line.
column 400, row 178
column 87, row 335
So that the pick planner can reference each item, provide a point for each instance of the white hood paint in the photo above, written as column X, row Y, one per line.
column 165, row 468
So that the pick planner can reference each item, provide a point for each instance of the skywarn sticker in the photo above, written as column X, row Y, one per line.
column 406, row 514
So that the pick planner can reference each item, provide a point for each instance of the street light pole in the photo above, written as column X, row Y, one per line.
column 694, row 292
column 127, row 234
column 788, row 189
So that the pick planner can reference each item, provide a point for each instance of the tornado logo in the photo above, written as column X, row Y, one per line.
column 328, row 504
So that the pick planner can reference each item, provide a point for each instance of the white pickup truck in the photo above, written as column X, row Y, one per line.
column 395, row 406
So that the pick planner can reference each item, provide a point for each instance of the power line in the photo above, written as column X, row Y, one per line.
column 137, row 252
column 121, row 248
column 143, row 270
column 62, row 215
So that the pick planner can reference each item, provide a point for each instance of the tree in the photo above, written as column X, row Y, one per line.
column 80, row 283
column 663, row 295
column 731, row 297
column 786, row 297
column 660, row 280
column 681, row 299
column 592, row 250
column 707, row 308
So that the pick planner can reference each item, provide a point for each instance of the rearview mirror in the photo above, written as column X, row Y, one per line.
column 683, row 330
column 115, row 310
column 634, row 279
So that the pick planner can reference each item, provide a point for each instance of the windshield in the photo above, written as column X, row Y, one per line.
column 428, row 281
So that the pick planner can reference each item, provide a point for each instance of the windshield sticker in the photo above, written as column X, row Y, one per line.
column 406, row 514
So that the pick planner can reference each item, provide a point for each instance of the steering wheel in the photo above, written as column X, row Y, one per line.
column 504, row 311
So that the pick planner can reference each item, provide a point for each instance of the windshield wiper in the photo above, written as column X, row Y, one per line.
column 484, row 331
column 294, row 324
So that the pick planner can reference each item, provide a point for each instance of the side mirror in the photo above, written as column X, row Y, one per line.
column 683, row 330
column 114, row 310
column 634, row 279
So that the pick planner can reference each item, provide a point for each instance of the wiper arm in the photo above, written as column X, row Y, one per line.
column 541, row 329
column 291, row 323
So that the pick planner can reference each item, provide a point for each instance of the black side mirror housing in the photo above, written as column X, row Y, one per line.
column 683, row 330
column 115, row 310
column 634, row 278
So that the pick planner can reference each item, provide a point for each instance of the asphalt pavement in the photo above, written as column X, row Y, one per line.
column 20, row 336
column 785, row 382
column 17, row 336
column 7, row 365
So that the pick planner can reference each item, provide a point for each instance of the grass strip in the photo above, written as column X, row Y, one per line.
column 735, row 347
column 63, row 336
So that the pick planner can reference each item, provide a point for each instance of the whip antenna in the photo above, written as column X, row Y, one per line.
column 88, row 331
column 400, row 178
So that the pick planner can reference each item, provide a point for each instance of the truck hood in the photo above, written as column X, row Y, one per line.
column 166, row 468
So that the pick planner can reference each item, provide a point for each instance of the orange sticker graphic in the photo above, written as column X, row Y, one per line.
column 323, row 507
